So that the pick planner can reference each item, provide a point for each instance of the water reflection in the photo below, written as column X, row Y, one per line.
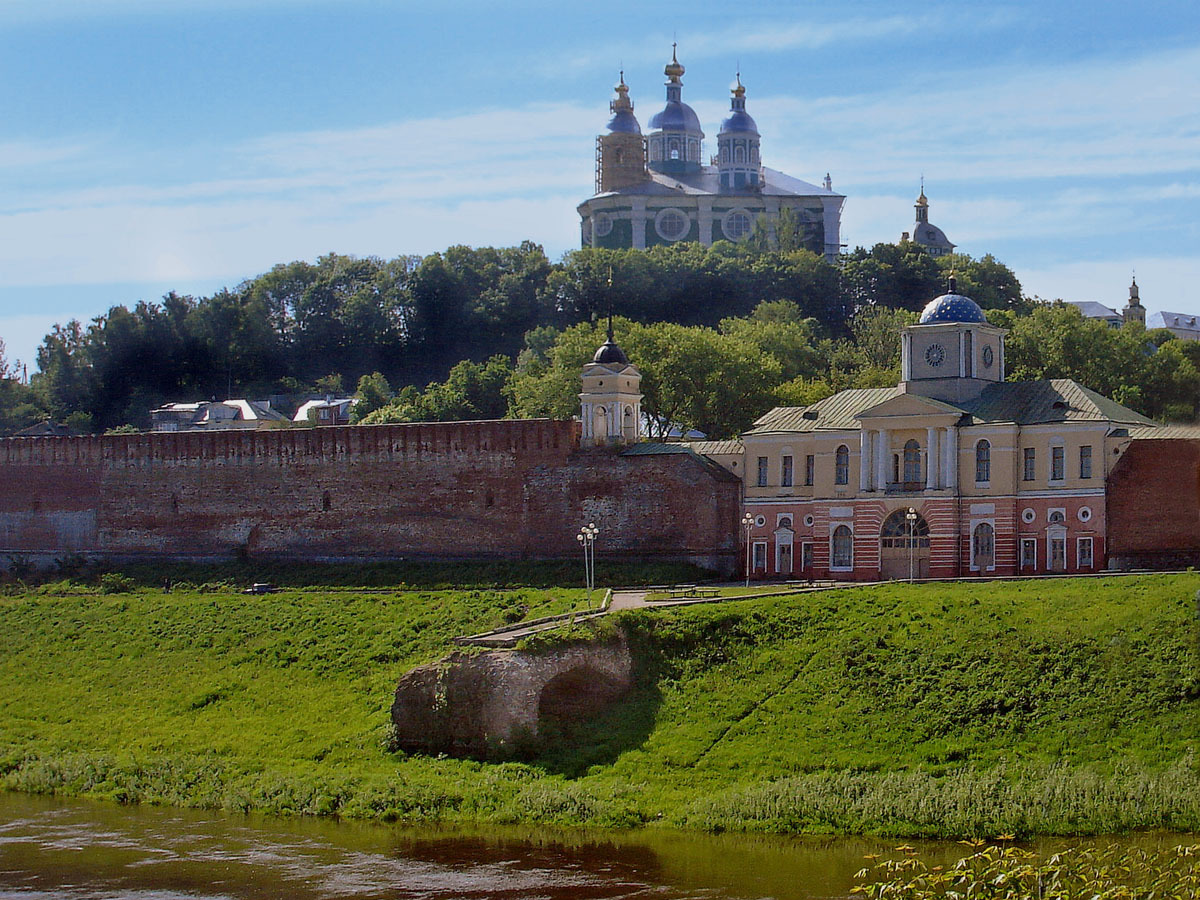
column 70, row 849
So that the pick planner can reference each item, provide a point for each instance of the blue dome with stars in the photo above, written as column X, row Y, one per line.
column 952, row 307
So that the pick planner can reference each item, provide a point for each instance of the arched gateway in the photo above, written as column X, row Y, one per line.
column 903, row 545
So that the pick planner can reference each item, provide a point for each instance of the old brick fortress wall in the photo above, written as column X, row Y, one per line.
column 1154, row 505
column 444, row 490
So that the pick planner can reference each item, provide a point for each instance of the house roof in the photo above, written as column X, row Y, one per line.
column 1019, row 402
column 651, row 448
column 1093, row 310
column 717, row 448
column 1166, row 432
column 1181, row 321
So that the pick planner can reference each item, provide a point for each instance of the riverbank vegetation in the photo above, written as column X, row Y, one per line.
column 1005, row 872
column 1062, row 706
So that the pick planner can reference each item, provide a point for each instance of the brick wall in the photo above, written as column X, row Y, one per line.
column 1154, row 505
column 450, row 490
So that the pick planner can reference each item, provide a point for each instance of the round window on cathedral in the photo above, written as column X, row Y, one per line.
column 602, row 223
column 736, row 224
column 989, row 357
column 672, row 224
column 934, row 355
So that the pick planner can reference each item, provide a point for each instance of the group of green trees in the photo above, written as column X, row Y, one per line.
column 720, row 333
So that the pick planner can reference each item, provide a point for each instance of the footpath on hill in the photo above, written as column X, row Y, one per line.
column 962, row 709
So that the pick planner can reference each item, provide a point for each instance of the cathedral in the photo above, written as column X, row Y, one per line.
column 656, row 189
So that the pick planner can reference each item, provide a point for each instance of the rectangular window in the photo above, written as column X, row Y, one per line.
column 1030, row 464
column 1028, row 553
column 762, row 471
column 1057, row 466
column 810, row 466
column 806, row 556
column 1083, row 552
column 785, row 478
column 1085, row 461
column 760, row 556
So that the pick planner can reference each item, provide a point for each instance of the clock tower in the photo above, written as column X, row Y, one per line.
column 952, row 353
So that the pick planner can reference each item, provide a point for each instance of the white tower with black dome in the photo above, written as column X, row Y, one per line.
column 952, row 353
column 611, row 400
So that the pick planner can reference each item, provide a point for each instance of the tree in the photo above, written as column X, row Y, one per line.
column 373, row 393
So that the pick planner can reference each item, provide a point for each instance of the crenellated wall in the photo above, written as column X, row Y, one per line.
column 517, row 488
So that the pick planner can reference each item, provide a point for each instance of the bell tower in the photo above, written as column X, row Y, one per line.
column 621, row 153
column 1134, row 311
column 611, row 400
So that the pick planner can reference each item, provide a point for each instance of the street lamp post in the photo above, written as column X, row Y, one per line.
column 747, row 522
column 587, row 540
column 911, row 518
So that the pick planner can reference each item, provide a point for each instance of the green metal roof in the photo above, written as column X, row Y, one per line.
column 716, row 448
column 1019, row 402
column 836, row 413
column 1166, row 432
column 1045, row 402
column 652, row 448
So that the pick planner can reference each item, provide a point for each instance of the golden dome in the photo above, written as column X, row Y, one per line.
column 674, row 69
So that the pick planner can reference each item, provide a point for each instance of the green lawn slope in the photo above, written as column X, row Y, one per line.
column 1052, row 706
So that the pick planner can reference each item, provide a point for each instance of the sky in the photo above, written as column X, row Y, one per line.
column 157, row 145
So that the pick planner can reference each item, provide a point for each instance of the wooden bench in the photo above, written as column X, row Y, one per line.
column 707, row 592
column 682, row 590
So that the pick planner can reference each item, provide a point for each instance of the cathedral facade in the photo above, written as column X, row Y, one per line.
column 657, row 189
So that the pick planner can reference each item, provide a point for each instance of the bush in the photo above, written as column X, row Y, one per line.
column 116, row 583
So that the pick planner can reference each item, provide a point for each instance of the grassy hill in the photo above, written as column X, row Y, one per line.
column 1066, row 706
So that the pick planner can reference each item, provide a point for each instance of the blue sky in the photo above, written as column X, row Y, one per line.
column 149, row 145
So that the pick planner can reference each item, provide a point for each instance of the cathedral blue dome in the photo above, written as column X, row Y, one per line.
column 952, row 307
column 676, row 116
column 740, row 121
column 624, row 122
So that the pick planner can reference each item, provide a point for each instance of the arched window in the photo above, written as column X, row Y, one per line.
column 841, row 465
column 842, row 549
column 912, row 462
column 983, row 462
column 983, row 547
column 897, row 531
column 739, row 154
column 785, row 521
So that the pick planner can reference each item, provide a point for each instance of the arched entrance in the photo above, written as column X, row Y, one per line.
column 903, row 546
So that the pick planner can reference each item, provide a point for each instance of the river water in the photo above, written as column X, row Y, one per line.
column 77, row 849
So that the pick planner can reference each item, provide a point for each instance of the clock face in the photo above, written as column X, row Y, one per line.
column 989, row 357
column 934, row 354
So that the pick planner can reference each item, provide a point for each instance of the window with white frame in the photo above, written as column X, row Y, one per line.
column 841, row 550
column 1083, row 552
column 762, row 471
column 841, row 465
column 785, row 476
column 1028, row 553
column 1030, row 459
column 983, row 462
column 760, row 556
column 810, row 466
column 1058, row 458
column 1085, row 461
column 912, row 462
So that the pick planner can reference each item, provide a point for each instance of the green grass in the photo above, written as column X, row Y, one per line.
column 1056, row 706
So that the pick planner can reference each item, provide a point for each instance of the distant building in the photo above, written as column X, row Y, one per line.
column 211, row 415
column 45, row 428
column 329, row 411
column 1183, row 325
column 927, row 235
column 657, row 190
column 1090, row 309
